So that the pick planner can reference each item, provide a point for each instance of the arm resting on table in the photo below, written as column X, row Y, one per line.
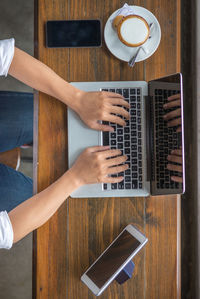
column 90, row 106
column 34, row 212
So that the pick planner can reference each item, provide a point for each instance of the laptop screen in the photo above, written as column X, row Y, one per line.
column 168, row 166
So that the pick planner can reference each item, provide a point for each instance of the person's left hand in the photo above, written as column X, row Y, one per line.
column 94, row 107
column 175, row 157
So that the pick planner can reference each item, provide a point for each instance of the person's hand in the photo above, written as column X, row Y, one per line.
column 175, row 157
column 174, row 117
column 97, row 164
column 94, row 107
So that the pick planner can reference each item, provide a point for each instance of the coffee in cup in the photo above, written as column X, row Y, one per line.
column 132, row 30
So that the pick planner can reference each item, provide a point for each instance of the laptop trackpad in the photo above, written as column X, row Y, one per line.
column 79, row 136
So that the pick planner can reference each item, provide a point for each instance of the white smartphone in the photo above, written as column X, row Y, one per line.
column 112, row 261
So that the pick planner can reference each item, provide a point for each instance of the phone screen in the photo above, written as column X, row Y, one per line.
column 113, row 258
column 75, row 33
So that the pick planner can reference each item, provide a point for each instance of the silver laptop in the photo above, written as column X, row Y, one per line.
column 146, row 139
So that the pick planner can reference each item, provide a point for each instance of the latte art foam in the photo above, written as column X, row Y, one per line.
column 134, row 31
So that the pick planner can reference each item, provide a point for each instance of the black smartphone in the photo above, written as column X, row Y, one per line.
column 73, row 33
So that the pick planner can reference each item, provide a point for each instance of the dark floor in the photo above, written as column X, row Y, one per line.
column 16, row 265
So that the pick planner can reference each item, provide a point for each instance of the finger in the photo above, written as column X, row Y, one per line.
column 99, row 148
column 101, row 127
column 179, row 129
column 112, row 94
column 172, row 114
column 117, row 169
column 120, row 111
column 115, row 119
column 172, row 104
column 111, row 153
column 174, row 167
column 176, row 152
column 175, row 96
column 119, row 101
column 174, row 122
column 116, row 161
column 174, row 158
column 177, row 179
column 113, row 179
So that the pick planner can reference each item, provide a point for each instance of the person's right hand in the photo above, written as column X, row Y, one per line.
column 97, row 164
column 95, row 107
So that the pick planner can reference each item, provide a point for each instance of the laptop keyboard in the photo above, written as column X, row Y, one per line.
column 128, row 139
column 167, row 139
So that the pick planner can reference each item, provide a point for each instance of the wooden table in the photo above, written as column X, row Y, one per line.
column 82, row 228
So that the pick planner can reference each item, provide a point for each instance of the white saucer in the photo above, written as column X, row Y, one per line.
column 119, row 50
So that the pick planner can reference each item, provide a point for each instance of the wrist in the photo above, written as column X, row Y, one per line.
column 76, row 102
column 71, row 96
column 75, row 180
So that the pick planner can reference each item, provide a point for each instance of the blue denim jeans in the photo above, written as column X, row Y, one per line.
column 16, row 129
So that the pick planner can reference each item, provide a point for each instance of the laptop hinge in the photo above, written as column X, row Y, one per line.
column 150, row 138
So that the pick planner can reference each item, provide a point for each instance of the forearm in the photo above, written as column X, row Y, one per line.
column 34, row 212
column 39, row 76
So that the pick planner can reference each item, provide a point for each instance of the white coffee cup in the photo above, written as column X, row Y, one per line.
column 132, row 30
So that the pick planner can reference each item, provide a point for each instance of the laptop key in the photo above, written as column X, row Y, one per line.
column 134, row 184
column 119, row 138
column 127, row 143
column 126, row 130
column 113, row 142
column 133, row 126
column 132, row 91
column 127, row 186
column 134, row 175
column 134, row 168
column 105, row 186
column 127, row 172
column 133, row 105
column 119, row 91
column 126, row 137
column 127, row 179
column 132, row 98
column 114, row 186
column 121, row 185
column 113, row 135
column 127, row 151
column 133, row 147
column 120, row 131
column 126, row 93
column 133, row 133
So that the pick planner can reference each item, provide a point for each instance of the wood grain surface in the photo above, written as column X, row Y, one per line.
column 82, row 228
